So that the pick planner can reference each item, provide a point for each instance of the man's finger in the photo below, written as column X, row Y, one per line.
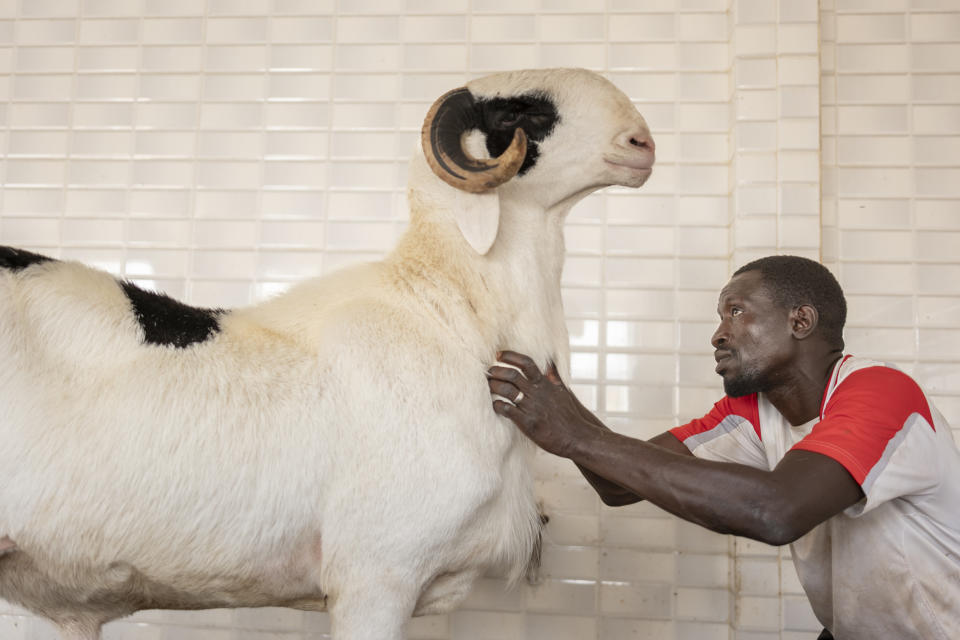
column 508, row 410
column 503, row 389
column 526, row 365
column 515, row 415
column 507, row 374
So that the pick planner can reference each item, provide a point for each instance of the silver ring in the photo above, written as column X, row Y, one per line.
column 518, row 398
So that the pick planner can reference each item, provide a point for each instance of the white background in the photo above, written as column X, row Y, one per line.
column 219, row 150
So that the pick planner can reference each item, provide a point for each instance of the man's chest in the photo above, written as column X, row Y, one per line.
column 777, row 435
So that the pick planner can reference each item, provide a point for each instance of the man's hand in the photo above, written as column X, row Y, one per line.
column 542, row 406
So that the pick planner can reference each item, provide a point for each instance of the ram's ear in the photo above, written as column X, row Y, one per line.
column 478, row 218
column 477, row 215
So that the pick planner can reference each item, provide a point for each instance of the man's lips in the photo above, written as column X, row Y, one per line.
column 721, row 357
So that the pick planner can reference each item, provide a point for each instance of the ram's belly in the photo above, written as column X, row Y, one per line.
column 107, row 591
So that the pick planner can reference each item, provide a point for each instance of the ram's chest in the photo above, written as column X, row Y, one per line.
column 541, row 335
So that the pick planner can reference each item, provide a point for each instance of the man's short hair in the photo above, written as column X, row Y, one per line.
column 793, row 281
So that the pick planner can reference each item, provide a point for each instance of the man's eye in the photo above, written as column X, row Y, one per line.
column 735, row 311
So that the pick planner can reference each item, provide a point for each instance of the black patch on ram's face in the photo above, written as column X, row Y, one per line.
column 535, row 113
column 18, row 259
column 168, row 322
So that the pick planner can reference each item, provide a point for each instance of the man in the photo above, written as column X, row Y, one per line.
column 843, row 458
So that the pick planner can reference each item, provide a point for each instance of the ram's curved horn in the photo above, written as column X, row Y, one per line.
column 451, row 116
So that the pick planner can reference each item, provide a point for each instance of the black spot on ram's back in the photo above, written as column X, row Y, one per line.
column 168, row 322
column 535, row 113
column 165, row 321
column 18, row 259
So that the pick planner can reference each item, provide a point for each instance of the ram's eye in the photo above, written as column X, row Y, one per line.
column 509, row 119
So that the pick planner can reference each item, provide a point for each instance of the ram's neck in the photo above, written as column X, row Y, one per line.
column 526, row 263
column 506, row 299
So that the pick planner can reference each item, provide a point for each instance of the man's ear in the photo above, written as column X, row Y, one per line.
column 478, row 218
column 803, row 321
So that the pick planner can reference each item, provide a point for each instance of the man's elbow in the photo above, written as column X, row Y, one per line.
column 618, row 499
column 778, row 537
column 778, row 527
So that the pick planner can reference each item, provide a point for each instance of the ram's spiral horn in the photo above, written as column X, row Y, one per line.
column 451, row 116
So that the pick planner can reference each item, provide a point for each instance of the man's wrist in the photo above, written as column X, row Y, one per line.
column 589, row 443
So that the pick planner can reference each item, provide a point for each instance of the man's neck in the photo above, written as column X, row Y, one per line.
column 799, row 398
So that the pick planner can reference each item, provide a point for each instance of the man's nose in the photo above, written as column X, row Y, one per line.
column 719, row 337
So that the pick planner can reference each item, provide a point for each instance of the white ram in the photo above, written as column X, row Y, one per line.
column 333, row 447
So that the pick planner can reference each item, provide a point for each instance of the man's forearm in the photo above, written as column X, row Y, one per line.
column 723, row 497
column 611, row 493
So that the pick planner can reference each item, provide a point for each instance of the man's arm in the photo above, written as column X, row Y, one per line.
column 613, row 494
column 775, row 507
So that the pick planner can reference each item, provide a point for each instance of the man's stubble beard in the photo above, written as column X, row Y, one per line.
column 745, row 383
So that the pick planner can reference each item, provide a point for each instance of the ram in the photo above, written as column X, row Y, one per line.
column 333, row 447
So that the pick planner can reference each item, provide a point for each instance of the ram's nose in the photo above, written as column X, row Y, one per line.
column 637, row 139
column 633, row 148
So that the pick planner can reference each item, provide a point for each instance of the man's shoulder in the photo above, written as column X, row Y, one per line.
column 877, row 385
column 851, row 364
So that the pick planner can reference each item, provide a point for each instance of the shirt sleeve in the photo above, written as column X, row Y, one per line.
column 729, row 433
column 878, row 425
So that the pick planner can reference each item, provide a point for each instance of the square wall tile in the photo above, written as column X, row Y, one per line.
column 703, row 604
column 648, row 601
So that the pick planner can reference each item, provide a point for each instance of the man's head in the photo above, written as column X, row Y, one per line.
column 773, row 311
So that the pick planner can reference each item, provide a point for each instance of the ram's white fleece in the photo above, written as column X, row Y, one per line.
column 332, row 447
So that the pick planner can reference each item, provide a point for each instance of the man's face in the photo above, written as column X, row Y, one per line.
column 753, row 342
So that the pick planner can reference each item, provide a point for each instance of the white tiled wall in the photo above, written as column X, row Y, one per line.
column 891, row 154
column 221, row 149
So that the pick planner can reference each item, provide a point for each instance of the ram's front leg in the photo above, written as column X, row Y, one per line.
column 79, row 630
column 375, row 608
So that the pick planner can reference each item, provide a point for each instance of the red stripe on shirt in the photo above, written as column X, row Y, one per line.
column 866, row 410
column 746, row 406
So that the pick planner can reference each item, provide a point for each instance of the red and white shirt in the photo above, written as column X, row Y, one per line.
column 889, row 566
